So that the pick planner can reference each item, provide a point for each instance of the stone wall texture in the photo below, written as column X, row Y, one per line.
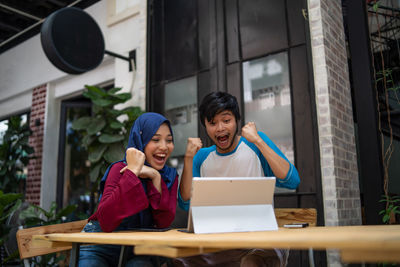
column 340, row 184
column 36, row 123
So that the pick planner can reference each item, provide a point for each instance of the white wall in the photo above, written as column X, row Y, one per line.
column 25, row 67
column 128, row 31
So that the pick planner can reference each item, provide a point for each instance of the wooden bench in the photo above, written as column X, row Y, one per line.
column 26, row 250
column 24, row 238
column 296, row 215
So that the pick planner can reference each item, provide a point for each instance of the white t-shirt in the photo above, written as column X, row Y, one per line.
column 246, row 160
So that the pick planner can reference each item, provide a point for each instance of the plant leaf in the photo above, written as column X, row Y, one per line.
column 375, row 6
column 386, row 218
column 114, row 153
column 96, row 153
column 81, row 123
column 94, row 172
column 6, row 199
column 102, row 102
column 110, row 138
column 88, row 139
column 123, row 96
column 96, row 90
column 96, row 125
column 116, row 125
column 66, row 211
column 112, row 91
column 115, row 112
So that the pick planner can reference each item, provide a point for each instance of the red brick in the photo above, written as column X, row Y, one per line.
column 33, row 181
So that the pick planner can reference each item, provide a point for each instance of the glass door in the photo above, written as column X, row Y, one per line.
column 73, row 184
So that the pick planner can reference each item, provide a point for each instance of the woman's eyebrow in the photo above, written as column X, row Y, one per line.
column 160, row 135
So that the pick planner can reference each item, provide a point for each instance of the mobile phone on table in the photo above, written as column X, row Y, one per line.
column 149, row 229
column 295, row 225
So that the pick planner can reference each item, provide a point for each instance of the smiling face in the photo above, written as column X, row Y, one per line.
column 222, row 129
column 159, row 148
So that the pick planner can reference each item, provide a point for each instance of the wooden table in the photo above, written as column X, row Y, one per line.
column 355, row 243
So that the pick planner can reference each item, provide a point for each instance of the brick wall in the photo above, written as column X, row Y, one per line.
column 36, row 123
column 335, row 118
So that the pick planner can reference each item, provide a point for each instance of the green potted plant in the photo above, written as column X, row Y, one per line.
column 15, row 154
column 9, row 203
column 36, row 216
column 105, row 132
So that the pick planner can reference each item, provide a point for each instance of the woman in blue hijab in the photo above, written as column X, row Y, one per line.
column 137, row 192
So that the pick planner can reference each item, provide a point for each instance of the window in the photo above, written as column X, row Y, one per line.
column 14, row 151
column 4, row 124
column 181, row 109
column 266, row 94
column 3, row 129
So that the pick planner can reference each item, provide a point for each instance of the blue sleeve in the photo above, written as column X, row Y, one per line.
column 196, row 164
column 292, row 178
column 183, row 204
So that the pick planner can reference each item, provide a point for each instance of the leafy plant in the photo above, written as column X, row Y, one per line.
column 376, row 6
column 9, row 202
column 105, row 133
column 386, row 74
column 36, row 216
column 48, row 260
column 392, row 208
column 15, row 154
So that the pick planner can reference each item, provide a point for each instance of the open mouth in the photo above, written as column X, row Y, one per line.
column 160, row 158
column 223, row 140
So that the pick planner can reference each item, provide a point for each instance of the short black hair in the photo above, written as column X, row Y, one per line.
column 215, row 103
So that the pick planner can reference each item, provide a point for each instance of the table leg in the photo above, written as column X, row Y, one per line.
column 311, row 257
column 74, row 259
column 122, row 256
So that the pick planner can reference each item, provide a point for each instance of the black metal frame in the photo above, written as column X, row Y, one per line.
column 365, row 106
column 61, row 146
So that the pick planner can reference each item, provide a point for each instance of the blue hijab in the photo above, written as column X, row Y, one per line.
column 144, row 128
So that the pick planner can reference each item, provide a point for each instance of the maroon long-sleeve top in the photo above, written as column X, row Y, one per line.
column 124, row 196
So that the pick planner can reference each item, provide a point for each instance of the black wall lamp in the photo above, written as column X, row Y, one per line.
column 74, row 43
column 131, row 59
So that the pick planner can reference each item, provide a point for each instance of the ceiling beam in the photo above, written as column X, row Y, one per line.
column 58, row 3
column 8, row 27
column 19, row 12
column 37, row 23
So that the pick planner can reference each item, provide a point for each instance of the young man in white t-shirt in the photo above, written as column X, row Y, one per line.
column 252, row 154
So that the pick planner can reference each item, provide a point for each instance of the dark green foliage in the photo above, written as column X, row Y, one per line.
column 392, row 208
column 9, row 202
column 36, row 216
column 15, row 154
column 105, row 136
column 48, row 260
